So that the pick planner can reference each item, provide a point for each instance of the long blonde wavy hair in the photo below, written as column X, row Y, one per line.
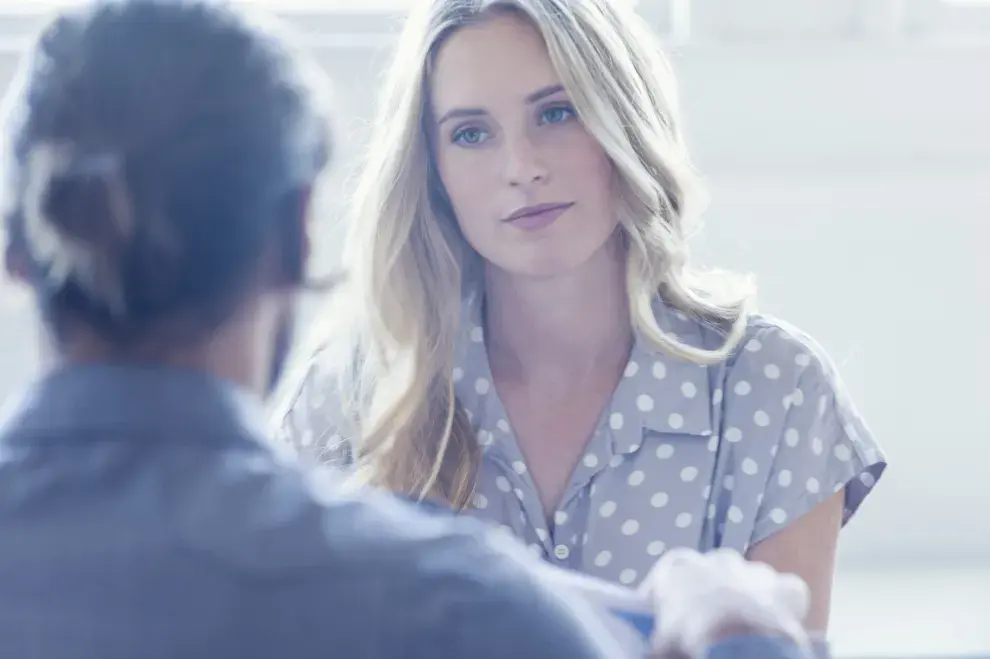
column 392, row 335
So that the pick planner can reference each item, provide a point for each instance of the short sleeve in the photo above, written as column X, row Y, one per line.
column 803, row 439
column 308, row 418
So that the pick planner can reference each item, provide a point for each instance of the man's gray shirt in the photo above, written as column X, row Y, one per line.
column 143, row 514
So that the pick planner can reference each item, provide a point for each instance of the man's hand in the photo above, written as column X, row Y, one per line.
column 704, row 599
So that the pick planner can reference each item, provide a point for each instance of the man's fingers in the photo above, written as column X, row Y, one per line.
column 667, row 569
column 668, row 650
column 679, row 558
column 793, row 593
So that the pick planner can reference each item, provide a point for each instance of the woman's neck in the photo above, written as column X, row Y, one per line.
column 561, row 328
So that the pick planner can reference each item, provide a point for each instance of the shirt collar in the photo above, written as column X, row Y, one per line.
column 661, row 393
column 110, row 400
column 657, row 393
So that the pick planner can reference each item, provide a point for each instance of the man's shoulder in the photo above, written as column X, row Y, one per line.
column 330, row 528
column 261, row 518
column 374, row 564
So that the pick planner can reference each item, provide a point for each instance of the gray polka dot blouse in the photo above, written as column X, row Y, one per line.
column 684, row 455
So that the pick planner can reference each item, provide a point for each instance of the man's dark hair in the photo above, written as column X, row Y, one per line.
column 158, row 149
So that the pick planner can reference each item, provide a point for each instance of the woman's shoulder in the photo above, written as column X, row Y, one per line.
column 770, row 353
column 771, row 374
column 794, row 435
column 309, row 410
column 771, row 369
column 779, row 351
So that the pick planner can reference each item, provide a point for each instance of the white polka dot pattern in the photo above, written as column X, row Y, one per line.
column 310, row 422
column 691, row 456
column 685, row 455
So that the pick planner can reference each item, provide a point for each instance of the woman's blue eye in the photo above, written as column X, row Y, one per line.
column 469, row 136
column 557, row 115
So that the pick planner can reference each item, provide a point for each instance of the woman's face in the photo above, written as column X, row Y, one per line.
column 531, row 188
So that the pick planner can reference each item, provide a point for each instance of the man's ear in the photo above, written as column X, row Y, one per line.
column 16, row 264
column 299, row 249
column 294, row 244
column 305, row 214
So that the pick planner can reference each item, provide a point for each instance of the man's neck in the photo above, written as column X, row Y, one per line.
column 223, row 355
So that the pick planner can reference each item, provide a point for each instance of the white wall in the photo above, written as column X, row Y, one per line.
column 853, row 180
column 848, row 164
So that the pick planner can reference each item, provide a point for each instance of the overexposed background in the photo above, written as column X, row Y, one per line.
column 847, row 148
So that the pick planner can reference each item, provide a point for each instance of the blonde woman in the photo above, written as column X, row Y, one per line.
column 526, row 337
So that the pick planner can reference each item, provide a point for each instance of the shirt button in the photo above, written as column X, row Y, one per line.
column 561, row 552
